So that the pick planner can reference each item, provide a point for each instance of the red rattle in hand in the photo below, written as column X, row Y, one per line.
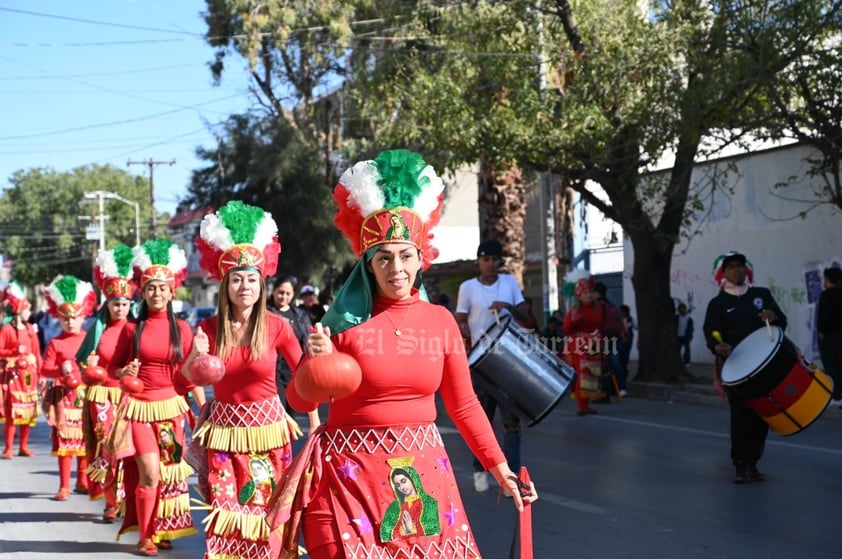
column 205, row 368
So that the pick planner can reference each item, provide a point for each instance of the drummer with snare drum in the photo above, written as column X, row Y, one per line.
column 481, row 302
column 739, row 309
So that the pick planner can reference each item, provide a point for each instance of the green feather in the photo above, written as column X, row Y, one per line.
column 123, row 259
column 241, row 220
column 67, row 287
column 158, row 251
column 399, row 177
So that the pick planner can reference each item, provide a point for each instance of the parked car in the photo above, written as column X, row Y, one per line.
column 198, row 314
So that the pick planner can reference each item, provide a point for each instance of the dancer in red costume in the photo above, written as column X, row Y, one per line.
column 70, row 300
column 583, row 330
column 246, row 441
column 153, row 349
column 342, row 486
column 112, row 275
column 20, row 361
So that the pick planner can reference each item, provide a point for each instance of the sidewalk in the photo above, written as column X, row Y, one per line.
column 700, row 391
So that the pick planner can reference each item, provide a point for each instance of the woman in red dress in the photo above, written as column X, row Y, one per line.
column 112, row 275
column 583, row 343
column 245, row 443
column 70, row 300
column 148, row 432
column 342, row 485
column 20, row 361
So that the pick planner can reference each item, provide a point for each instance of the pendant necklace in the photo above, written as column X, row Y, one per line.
column 397, row 327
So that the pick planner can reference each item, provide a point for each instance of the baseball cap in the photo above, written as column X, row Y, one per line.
column 489, row 247
column 733, row 256
column 307, row 289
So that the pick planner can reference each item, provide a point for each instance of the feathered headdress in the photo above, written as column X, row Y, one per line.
column 69, row 297
column 14, row 298
column 396, row 197
column 577, row 281
column 238, row 236
column 113, row 272
column 161, row 260
column 719, row 266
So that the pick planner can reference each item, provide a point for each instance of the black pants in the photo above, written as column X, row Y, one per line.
column 748, row 433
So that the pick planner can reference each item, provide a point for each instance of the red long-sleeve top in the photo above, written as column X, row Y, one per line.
column 60, row 349
column 160, row 373
column 107, row 347
column 12, row 338
column 254, row 381
column 401, row 374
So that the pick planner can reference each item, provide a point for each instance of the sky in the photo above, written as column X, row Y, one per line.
column 108, row 82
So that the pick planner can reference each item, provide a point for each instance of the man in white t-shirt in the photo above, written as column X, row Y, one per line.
column 481, row 302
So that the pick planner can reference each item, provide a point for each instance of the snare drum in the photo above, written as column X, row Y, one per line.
column 519, row 371
column 767, row 371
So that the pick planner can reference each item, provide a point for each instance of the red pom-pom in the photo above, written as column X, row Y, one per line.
column 131, row 384
column 206, row 369
column 93, row 375
column 328, row 377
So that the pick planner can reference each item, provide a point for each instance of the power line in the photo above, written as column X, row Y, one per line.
column 152, row 164
column 95, row 22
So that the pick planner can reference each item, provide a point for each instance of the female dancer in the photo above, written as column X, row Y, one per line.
column 247, row 436
column 70, row 300
column 112, row 275
column 20, row 361
column 342, row 485
column 151, row 423
column 583, row 328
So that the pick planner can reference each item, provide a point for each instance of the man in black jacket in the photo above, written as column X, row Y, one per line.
column 738, row 310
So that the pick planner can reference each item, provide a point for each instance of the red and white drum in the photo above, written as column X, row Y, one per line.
column 767, row 371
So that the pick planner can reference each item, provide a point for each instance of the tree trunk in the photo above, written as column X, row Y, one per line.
column 502, row 211
column 660, row 360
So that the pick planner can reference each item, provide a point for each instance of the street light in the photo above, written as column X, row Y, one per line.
column 102, row 196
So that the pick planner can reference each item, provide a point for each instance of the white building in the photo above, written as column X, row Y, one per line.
column 788, row 251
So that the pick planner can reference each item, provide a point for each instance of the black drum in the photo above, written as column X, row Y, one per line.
column 520, row 372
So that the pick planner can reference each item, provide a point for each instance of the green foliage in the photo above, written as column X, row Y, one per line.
column 40, row 223
column 265, row 163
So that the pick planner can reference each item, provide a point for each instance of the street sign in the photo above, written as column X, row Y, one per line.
column 92, row 233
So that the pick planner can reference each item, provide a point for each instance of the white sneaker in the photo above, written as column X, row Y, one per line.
column 623, row 393
column 480, row 482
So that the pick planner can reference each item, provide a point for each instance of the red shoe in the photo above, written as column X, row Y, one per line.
column 165, row 545
column 7, row 454
column 146, row 548
column 81, row 489
column 25, row 452
column 62, row 495
column 109, row 515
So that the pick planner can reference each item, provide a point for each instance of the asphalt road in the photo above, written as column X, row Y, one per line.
column 645, row 478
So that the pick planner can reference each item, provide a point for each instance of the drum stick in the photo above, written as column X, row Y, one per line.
column 496, row 316
column 769, row 330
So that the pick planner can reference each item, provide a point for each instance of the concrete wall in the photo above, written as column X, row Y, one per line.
column 788, row 253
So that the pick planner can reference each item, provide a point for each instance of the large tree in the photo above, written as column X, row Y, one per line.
column 265, row 163
column 805, row 98
column 40, row 224
column 595, row 91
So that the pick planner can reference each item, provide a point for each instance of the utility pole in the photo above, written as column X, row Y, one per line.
column 151, row 164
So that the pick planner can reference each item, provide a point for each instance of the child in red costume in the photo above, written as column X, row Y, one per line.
column 20, row 361
column 343, row 487
column 70, row 300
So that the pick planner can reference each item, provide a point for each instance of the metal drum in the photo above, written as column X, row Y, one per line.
column 767, row 371
column 519, row 371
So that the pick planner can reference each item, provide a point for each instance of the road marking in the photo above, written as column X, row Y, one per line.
column 832, row 451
